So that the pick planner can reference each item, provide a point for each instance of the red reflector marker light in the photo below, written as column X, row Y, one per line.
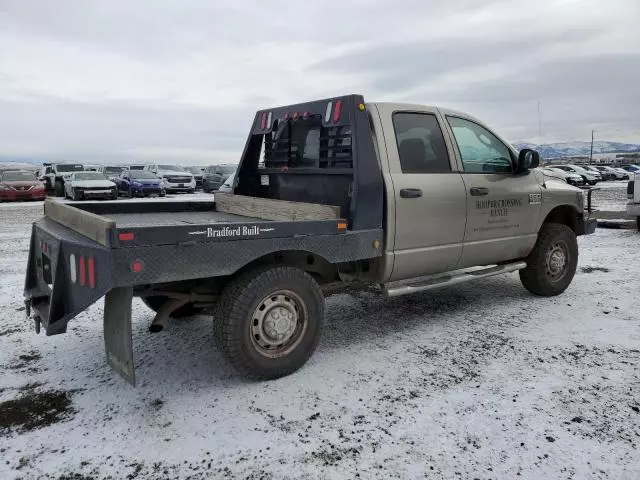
column 295, row 115
column 91, row 266
column 125, row 237
column 137, row 266
column 337, row 110
column 83, row 272
column 263, row 123
column 305, row 115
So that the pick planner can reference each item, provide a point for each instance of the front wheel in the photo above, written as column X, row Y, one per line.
column 269, row 321
column 75, row 195
column 552, row 263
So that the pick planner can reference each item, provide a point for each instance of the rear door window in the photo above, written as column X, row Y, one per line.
column 421, row 145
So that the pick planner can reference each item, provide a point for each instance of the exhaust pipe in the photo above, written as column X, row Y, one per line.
column 162, row 317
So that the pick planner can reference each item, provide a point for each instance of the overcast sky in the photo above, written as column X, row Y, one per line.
column 180, row 80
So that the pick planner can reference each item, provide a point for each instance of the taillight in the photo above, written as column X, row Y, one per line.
column 91, row 266
column 83, row 272
column 137, row 266
column 266, row 121
column 125, row 236
column 337, row 111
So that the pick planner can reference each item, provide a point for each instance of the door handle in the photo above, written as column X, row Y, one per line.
column 410, row 193
column 479, row 191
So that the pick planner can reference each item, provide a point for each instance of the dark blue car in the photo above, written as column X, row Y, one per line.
column 140, row 183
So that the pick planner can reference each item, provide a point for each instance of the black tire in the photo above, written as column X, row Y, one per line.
column 59, row 188
column 544, row 277
column 236, row 325
column 638, row 223
column 75, row 196
column 188, row 310
column 193, row 190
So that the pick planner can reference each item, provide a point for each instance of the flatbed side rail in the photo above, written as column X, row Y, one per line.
column 97, row 228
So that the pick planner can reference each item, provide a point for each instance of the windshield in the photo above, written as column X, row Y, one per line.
column 175, row 168
column 18, row 177
column 136, row 167
column 196, row 170
column 226, row 168
column 69, row 168
column 90, row 176
column 113, row 169
column 142, row 174
column 578, row 169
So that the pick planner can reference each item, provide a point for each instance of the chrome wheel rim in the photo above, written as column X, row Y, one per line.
column 278, row 324
column 556, row 261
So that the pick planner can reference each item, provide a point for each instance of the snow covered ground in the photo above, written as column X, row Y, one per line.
column 481, row 380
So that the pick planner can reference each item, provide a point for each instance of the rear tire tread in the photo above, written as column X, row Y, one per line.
column 238, row 301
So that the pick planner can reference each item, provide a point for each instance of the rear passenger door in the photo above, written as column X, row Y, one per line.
column 502, row 208
column 430, row 207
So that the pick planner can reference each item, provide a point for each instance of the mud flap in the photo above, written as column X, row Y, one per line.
column 117, row 332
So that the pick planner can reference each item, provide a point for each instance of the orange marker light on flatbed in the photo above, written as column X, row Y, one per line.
column 342, row 225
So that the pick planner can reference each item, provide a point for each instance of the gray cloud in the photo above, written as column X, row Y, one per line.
column 114, row 79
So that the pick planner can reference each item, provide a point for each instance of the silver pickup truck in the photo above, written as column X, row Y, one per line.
column 328, row 193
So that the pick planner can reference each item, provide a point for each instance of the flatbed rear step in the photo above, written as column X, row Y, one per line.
column 405, row 287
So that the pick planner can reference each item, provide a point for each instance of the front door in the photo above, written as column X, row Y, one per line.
column 430, row 207
column 502, row 208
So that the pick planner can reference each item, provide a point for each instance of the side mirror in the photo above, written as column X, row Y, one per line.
column 527, row 159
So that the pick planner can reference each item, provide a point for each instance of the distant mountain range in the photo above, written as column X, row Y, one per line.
column 564, row 149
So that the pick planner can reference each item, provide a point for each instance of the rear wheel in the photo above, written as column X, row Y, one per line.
column 75, row 195
column 188, row 310
column 269, row 321
column 638, row 223
column 552, row 263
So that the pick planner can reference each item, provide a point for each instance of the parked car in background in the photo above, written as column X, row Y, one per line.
column 175, row 177
column 90, row 185
column 589, row 177
column 227, row 186
column 215, row 176
column 55, row 175
column 111, row 171
column 198, row 175
column 571, row 178
column 625, row 175
column 594, row 171
column 20, row 185
column 140, row 183
column 91, row 168
column 631, row 168
column 611, row 173
column 138, row 166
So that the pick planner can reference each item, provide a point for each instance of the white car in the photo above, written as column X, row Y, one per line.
column 571, row 178
column 588, row 176
column 88, row 185
column 175, row 177
column 227, row 186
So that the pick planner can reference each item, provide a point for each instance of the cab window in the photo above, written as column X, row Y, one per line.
column 480, row 150
column 420, row 143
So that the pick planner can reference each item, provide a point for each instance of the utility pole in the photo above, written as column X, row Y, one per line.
column 539, row 125
column 591, row 154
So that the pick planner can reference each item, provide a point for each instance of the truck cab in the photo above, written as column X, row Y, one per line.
column 55, row 174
